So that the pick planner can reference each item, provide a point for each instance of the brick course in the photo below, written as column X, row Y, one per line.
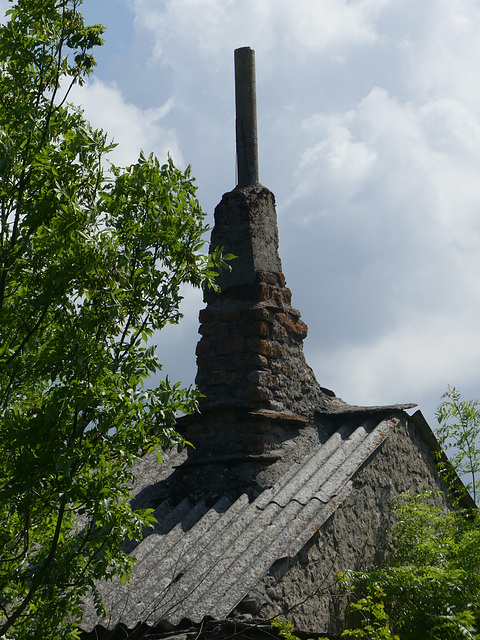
column 249, row 329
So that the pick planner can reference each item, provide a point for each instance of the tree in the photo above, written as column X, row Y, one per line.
column 459, row 434
column 430, row 586
column 91, row 263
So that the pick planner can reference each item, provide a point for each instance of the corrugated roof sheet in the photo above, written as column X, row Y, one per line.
column 203, row 561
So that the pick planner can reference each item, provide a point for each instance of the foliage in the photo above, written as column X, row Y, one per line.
column 285, row 629
column 91, row 265
column 374, row 620
column 459, row 435
column 430, row 586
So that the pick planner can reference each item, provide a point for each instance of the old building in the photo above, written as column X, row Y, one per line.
column 287, row 484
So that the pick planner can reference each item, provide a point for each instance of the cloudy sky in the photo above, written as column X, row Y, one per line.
column 369, row 137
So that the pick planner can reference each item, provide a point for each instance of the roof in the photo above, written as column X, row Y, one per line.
column 213, row 630
column 203, row 559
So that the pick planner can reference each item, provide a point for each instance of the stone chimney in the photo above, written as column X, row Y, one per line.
column 251, row 352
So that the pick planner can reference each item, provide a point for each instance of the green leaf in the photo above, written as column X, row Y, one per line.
column 91, row 265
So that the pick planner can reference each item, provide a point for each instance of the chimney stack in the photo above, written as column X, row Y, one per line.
column 246, row 117
column 251, row 351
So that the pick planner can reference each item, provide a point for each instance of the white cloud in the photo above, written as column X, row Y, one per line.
column 213, row 26
column 421, row 162
column 446, row 55
column 4, row 6
column 131, row 127
column 338, row 159
column 401, row 366
column 395, row 310
column 329, row 25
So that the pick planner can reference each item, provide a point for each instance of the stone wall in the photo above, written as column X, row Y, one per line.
column 303, row 589
column 251, row 350
column 246, row 227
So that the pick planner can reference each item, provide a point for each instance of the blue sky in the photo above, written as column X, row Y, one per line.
column 369, row 137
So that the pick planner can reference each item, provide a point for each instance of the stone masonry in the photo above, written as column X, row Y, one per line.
column 251, row 350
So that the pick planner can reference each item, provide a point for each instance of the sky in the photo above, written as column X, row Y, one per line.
column 369, row 137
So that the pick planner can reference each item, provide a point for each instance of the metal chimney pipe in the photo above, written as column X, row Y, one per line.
column 246, row 117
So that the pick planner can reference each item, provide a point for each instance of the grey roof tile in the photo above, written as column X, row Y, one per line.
column 204, row 561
